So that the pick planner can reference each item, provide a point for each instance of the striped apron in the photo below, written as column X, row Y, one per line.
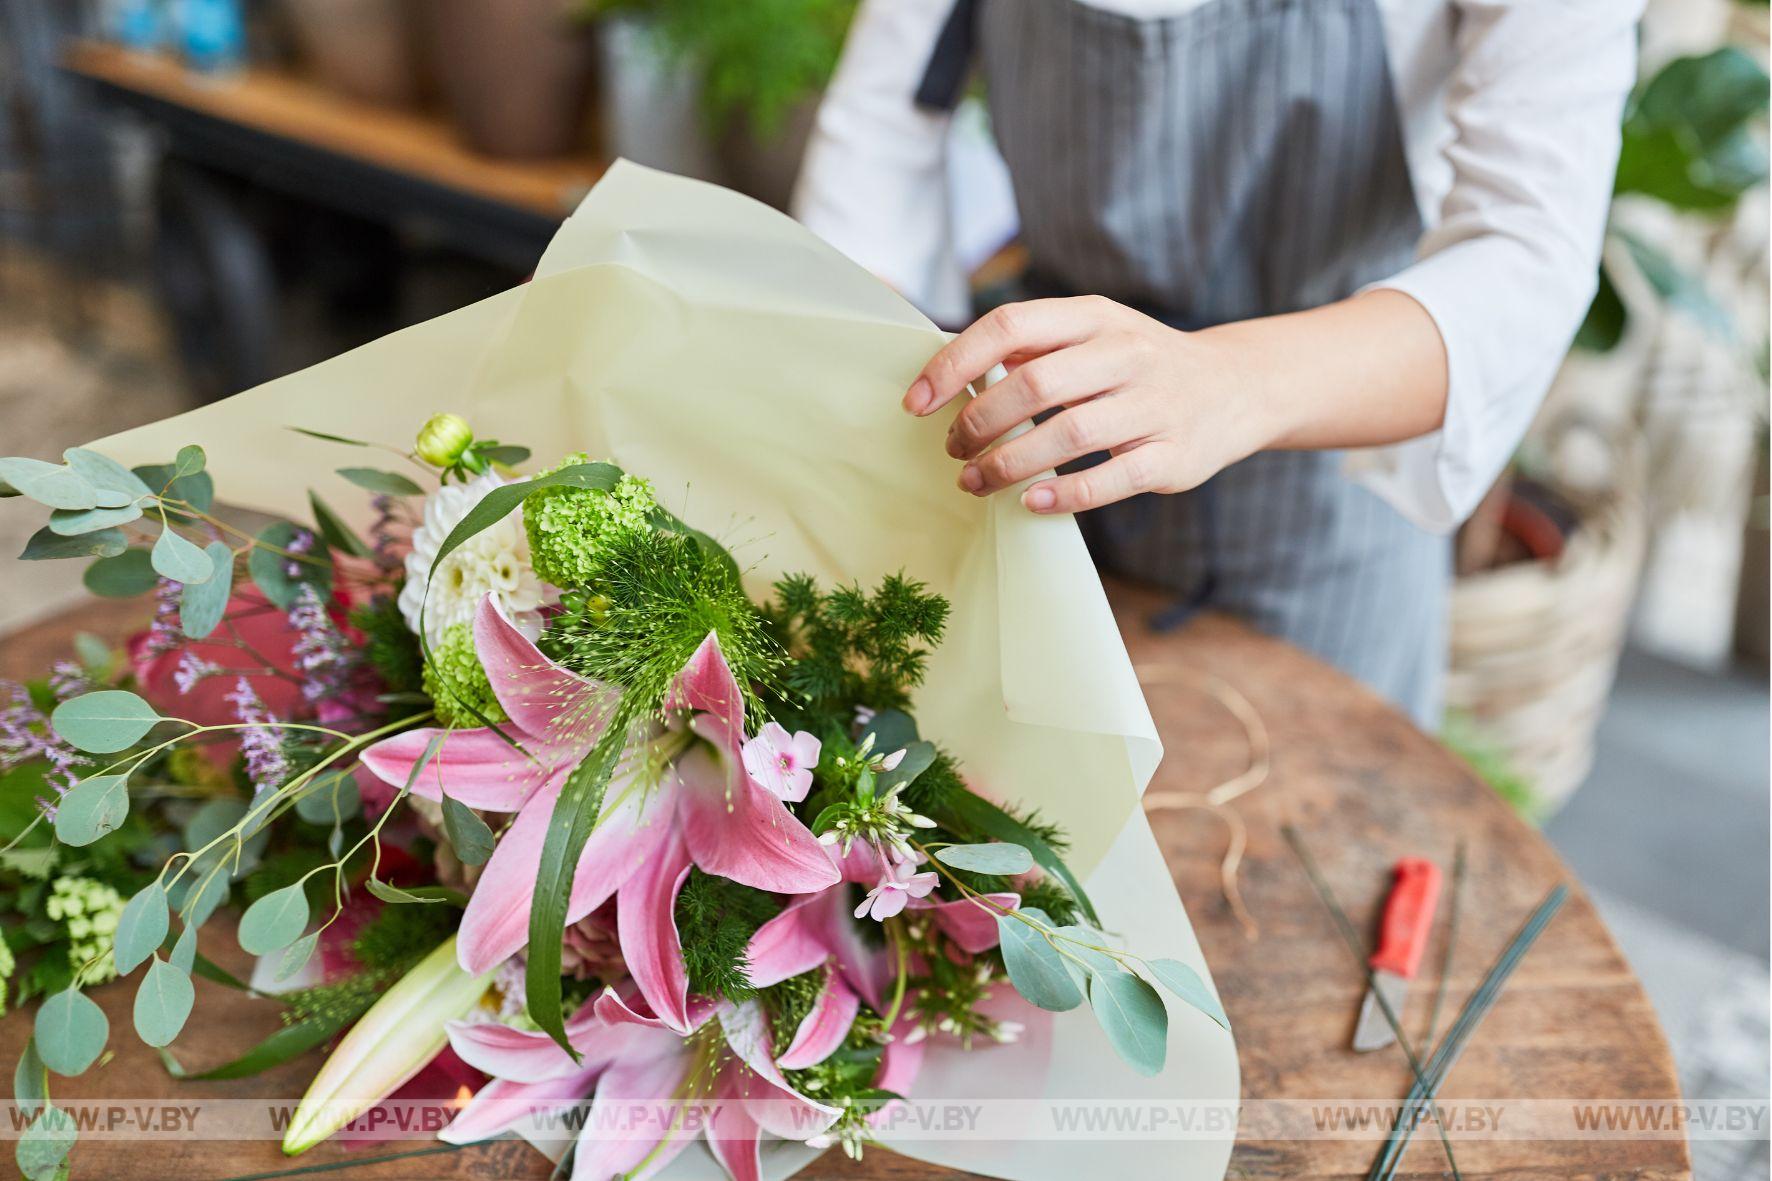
column 1242, row 158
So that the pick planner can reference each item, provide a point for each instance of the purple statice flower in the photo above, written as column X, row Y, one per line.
column 165, row 633
column 68, row 679
column 302, row 542
column 261, row 742
column 322, row 657
column 191, row 669
column 25, row 736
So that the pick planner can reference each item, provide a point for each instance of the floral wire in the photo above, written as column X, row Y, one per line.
column 1433, row 1016
column 1215, row 800
column 1357, row 949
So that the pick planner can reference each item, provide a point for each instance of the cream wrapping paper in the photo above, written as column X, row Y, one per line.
column 754, row 374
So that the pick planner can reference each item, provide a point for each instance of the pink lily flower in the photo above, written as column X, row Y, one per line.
column 632, row 1057
column 782, row 762
column 705, row 811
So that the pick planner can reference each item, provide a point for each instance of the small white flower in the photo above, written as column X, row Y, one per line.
column 494, row 562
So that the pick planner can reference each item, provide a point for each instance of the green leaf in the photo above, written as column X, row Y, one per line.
column 101, row 471
column 999, row 858
column 963, row 812
column 124, row 576
column 46, row 543
column 569, row 827
column 43, row 1148
column 1036, row 969
column 337, row 534
column 385, row 483
column 324, row 437
column 330, row 798
column 468, row 834
column 96, row 654
column 142, row 927
column 1688, row 138
column 162, row 1003
column 269, row 569
column 197, row 490
column 1185, row 983
column 892, row 730
column 70, row 1032
column 1604, row 325
column 274, row 921
column 290, row 1041
column 189, row 462
column 93, row 808
column 1132, row 1014
column 201, row 893
column 395, row 895
column 180, row 560
column 69, row 522
column 508, row 454
column 55, row 486
column 296, row 956
column 1682, row 289
column 30, row 1079
column 201, row 605
column 104, row 722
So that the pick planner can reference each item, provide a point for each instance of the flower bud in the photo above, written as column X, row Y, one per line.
column 443, row 439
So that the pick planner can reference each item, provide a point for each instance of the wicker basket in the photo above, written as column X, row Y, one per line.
column 1535, row 644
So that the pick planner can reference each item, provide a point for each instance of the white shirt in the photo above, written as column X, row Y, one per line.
column 1510, row 112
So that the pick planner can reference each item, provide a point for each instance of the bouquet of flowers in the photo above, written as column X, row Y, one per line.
column 534, row 769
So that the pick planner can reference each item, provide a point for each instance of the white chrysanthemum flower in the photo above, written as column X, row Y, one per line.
column 495, row 561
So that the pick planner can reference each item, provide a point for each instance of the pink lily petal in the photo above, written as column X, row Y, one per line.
column 613, row 1009
column 863, row 965
column 786, row 945
column 504, row 1102
column 648, row 1080
column 707, row 686
column 824, row 1028
column 737, row 830
column 779, row 1109
column 900, row 1063
column 531, row 1056
column 553, row 706
column 496, row 923
column 972, row 926
column 479, row 768
column 646, row 920
column 735, row 1138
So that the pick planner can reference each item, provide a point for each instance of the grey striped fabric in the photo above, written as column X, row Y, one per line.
column 1240, row 159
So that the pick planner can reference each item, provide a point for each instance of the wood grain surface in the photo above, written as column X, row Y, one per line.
column 1363, row 785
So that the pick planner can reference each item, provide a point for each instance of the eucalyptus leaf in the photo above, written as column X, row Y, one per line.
column 1132, row 1015
column 274, row 921
column 196, row 490
column 46, row 544
column 337, row 534
column 1036, row 969
column 180, row 560
column 1185, row 983
column 270, row 569
column 104, row 722
column 122, row 576
column 96, row 655
column 42, row 1149
column 296, row 956
column 201, row 605
column 918, row 757
column 378, row 481
column 101, row 471
column 93, row 808
column 68, row 522
column 468, row 834
column 70, row 1031
column 53, row 485
column 892, row 730
column 30, row 1079
column 162, row 1003
column 184, row 951
column 999, row 858
column 142, row 927
column 963, row 812
column 189, row 461
column 201, row 893
column 331, row 796
column 509, row 454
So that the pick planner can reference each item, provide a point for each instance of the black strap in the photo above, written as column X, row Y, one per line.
column 950, row 62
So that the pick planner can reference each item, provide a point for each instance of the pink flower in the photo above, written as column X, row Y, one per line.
column 898, row 885
column 782, row 762
column 705, row 810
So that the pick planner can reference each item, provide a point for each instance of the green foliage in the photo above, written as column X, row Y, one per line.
column 788, row 1003
column 456, row 681
column 338, row 1002
column 715, row 921
column 1490, row 763
column 850, row 647
column 400, row 936
column 569, row 528
column 389, row 646
column 757, row 59
column 660, row 595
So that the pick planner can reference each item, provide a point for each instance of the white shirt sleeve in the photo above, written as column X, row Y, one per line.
column 1507, row 273
column 874, row 179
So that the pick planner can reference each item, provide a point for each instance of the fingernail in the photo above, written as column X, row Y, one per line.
column 1039, row 500
column 971, row 478
column 920, row 395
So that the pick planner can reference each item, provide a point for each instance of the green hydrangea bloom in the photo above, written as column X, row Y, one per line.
column 569, row 527
column 89, row 910
column 455, row 659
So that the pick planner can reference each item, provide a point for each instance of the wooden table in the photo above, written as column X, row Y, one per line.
column 1359, row 780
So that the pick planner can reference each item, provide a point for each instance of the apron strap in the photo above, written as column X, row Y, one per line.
column 950, row 62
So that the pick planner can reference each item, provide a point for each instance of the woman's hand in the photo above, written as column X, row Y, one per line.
column 1172, row 408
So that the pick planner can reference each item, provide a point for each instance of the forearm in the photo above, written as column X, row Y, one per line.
column 1361, row 372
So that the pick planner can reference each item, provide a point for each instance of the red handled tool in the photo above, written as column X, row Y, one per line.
column 1402, row 940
